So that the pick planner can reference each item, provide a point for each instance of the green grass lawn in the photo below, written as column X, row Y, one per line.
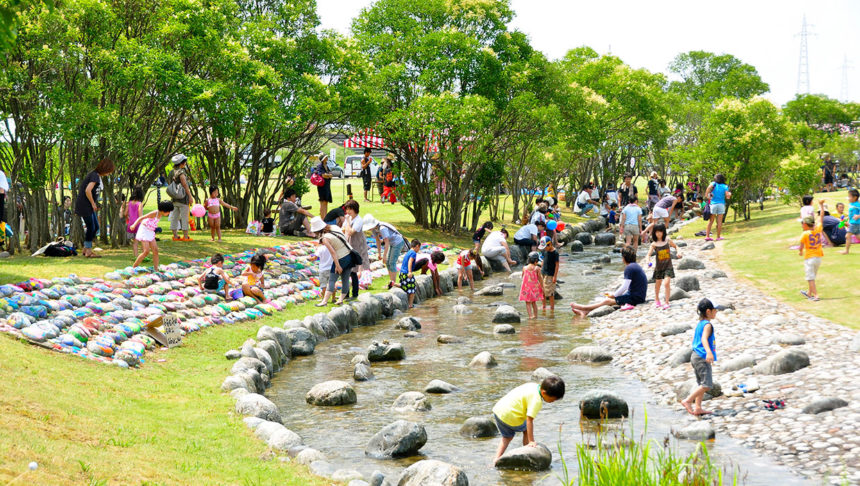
column 758, row 251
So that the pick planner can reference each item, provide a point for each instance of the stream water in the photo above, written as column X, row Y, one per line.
column 342, row 432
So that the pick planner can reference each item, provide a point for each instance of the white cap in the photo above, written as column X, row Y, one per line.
column 317, row 224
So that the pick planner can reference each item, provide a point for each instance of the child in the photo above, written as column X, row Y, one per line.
column 145, row 226
column 840, row 210
column 268, row 227
column 853, row 221
column 612, row 220
column 324, row 263
column 663, row 271
column 812, row 242
column 464, row 268
column 531, row 291
column 431, row 262
column 131, row 211
column 806, row 209
column 213, row 207
column 479, row 235
column 517, row 410
column 407, row 279
column 704, row 354
column 549, row 271
column 214, row 280
column 254, row 278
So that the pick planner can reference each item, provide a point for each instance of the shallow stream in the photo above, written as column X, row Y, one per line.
column 342, row 432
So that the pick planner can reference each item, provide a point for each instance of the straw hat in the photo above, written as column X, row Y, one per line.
column 369, row 222
column 317, row 224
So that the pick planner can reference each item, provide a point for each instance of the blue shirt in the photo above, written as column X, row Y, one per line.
column 718, row 193
column 697, row 340
column 854, row 212
column 410, row 255
column 631, row 214
column 638, row 281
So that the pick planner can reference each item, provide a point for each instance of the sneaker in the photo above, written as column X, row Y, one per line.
column 805, row 294
column 627, row 307
column 814, row 299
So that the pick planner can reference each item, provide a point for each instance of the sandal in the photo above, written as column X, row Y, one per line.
column 321, row 304
column 627, row 307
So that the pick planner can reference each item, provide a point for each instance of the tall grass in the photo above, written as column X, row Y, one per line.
column 617, row 458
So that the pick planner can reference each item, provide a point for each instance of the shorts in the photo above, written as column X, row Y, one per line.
column 324, row 277
column 365, row 179
column 525, row 242
column 663, row 273
column 718, row 209
column 407, row 283
column 811, row 265
column 506, row 430
column 548, row 285
column 221, row 284
column 324, row 191
column 630, row 230
column 704, row 373
column 628, row 299
column 828, row 179
column 854, row 229
column 660, row 212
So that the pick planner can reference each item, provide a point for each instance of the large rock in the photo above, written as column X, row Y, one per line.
column 715, row 274
column 397, row 439
column 368, row 309
column 479, row 427
column 687, row 283
column 448, row 339
column 789, row 339
column 541, row 374
column 256, row 405
column 309, row 455
column 504, row 329
column 264, row 356
column 362, row 372
column 492, row 290
column 506, row 314
column 233, row 354
column 739, row 362
column 302, row 341
column 689, row 263
column 599, row 404
column 785, row 361
column 461, row 309
column 430, row 472
column 246, row 363
column 331, row 393
column 585, row 238
column 601, row 311
column 683, row 390
column 675, row 328
column 408, row 324
column 385, row 352
column 280, row 336
column 678, row 294
column 483, row 360
column 275, row 353
column 526, row 458
column 344, row 318
column 708, row 246
column 589, row 354
column 284, row 440
column 698, row 431
column 411, row 402
column 825, row 405
column 576, row 246
column 773, row 320
column 681, row 356
column 604, row 239
column 439, row 386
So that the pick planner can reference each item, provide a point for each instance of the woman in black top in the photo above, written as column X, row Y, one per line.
column 324, row 190
column 86, row 205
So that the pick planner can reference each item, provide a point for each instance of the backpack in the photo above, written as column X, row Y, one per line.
column 175, row 190
column 60, row 248
column 211, row 280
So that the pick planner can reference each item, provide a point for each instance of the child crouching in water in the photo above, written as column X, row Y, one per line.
column 214, row 280
column 517, row 410
column 407, row 279
column 664, row 272
column 145, row 227
column 254, row 278
column 531, row 290
column 704, row 355
column 464, row 268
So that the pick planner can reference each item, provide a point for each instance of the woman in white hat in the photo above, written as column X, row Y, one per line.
column 386, row 235
column 335, row 242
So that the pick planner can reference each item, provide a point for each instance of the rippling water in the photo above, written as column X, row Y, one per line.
column 342, row 432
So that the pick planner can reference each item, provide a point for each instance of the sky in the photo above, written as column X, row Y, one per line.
column 649, row 34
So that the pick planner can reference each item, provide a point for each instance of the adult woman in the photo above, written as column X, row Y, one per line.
column 335, row 242
column 353, row 228
column 496, row 248
column 179, row 216
column 87, row 206
column 627, row 191
column 366, row 160
column 653, row 190
column 718, row 192
column 324, row 191
column 386, row 235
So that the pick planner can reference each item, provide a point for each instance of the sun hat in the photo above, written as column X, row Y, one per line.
column 809, row 220
column 543, row 242
column 178, row 159
column 317, row 224
column 369, row 222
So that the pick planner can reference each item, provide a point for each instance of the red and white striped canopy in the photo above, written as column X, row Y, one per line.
column 366, row 139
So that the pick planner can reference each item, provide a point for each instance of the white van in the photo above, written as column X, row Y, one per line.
column 352, row 166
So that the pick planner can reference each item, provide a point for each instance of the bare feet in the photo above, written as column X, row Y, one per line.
column 843, row 252
column 687, row 407
column 702, row 411
column 580, row 313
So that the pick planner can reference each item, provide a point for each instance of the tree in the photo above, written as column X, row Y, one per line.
column 708, row 77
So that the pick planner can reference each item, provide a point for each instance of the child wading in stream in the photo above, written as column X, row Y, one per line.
column 531, row 290
column 664, row 272
column 517, row 410
column 704, row 355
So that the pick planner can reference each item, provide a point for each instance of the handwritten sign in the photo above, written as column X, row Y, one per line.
column 172, row 331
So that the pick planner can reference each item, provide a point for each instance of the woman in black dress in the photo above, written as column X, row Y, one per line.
column 87, row 206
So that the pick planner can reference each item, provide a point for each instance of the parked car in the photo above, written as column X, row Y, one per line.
column 336, row 170
column 352, row 166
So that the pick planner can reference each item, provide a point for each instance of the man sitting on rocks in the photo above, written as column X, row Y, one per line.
column 496, row 248
column 630, row 293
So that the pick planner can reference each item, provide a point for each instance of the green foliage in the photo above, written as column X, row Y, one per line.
column 797, row 175
column 819, row 110
column 708, row 77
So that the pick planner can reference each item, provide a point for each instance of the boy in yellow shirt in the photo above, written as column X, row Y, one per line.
column 811, row 248
column 516, row 411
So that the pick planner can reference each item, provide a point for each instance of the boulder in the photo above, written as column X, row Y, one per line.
column 233, row 354
column 506, row 314
column 302, row 341
column 824, row 405
column 448, row 339
column 401, row 299
column 786, row 361
column 464, row 300
column 739, row 362
column 411, row 334
column 411, row 402
column 789, row 339
column 681, row 244
column 683, row 390
column 234, row 382
column 601, row 311
column 598, row 404
column 408, row 324
column 275, row 353
column 461, row 309
column 280, row 336
column 699, row 430
column 368, row 310
column 715, row 274
column 264, row 430
column 430, row 472
column 681, row 356
column 362, row 372
column 479, row 427
column 675, row 328
column 359, row 358
column 526, row 458
column 247, row 349
column 344, row 318
column 246, row 363
column 385, row 352
column 504, row 329
column 678, row 294
column 397, row 439
column 604, row 239
column 689, row 263
column 377, row 478
column 483, row 360
column 331, row 393
column 350, row 476
column 589, row 354
column 541, row 374
column 576, row 247
column 688, row 283
column 284, row 440
column 307, row 456
column 439, row 386
column 256, row 405
column 492, row 290
column 708, row 246
column 773, row 320
column 584, row 238
column 264, row 356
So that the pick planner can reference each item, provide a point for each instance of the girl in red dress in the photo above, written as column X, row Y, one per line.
column 531, row 291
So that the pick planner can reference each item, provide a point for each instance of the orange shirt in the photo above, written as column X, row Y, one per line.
column 812, row 242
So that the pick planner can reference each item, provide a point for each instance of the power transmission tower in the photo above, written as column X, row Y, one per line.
column 803, row 64
column 844, row 95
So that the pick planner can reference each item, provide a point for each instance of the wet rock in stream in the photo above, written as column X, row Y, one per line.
column 397, row 439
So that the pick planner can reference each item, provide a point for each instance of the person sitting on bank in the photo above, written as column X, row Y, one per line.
column 292, row 218
column 630, row 293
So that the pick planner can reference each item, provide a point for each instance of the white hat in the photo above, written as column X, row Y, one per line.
column 178, row 159
column 369, row 222
column 317, row 224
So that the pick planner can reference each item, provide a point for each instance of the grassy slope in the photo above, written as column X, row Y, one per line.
column 757, row 250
